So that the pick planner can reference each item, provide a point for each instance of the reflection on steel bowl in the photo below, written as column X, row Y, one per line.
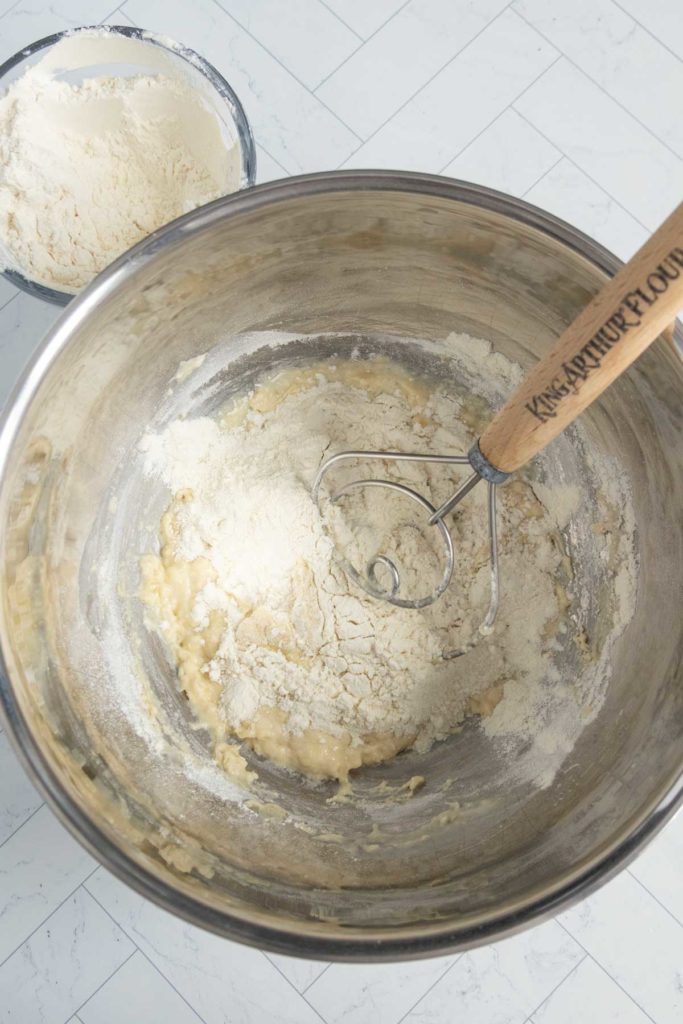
column 353, row 261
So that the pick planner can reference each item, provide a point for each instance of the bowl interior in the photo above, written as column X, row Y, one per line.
column 334, row 267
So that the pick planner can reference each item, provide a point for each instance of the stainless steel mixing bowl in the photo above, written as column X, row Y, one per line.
column 378, row 259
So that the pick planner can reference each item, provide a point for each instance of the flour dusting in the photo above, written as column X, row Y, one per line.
column 276, row 645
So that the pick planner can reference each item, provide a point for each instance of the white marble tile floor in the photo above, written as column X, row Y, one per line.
column 574, row 105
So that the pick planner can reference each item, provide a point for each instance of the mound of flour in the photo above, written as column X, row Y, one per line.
column 87, row 170
column 258, row 612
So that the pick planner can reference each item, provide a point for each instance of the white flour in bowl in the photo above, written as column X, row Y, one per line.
column 275, row 644
column 87, row 170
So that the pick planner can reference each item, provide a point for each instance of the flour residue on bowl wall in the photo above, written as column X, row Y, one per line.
column 545, row 712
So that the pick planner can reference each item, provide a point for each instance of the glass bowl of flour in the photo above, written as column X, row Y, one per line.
column 107, row 134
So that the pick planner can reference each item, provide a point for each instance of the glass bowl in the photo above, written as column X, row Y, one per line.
column 156, row 54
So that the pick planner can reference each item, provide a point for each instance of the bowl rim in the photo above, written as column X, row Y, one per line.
column 220, row 85
column 255, row 928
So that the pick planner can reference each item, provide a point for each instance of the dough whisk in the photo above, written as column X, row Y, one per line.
column 615, row 328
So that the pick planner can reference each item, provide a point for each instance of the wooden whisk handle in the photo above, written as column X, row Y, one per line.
column 607, row 336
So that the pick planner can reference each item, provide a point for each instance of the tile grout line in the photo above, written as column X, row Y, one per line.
column 293, row 986
column 511, row 104
column 540, row 178
column 303, row 990
column 112, row 13
column 498, row 116
column 11, row 8
column 341, row 21
column 647, row 30
column 101, row 985
column 559, row 984
column 126, row 15
column 601, row 88
column 475, row 137
column 160, row 973
column 310, row 1004
column 312, row 983
column 429, row 989
column 43, row 804
column 285, row 68
column 367, row 40
column 585, row 173
column 605, row 971
column 655, row 898
column 270, row 155
column 137, row 946
column 430, row 80
column 11, row 299
column 51, row 914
